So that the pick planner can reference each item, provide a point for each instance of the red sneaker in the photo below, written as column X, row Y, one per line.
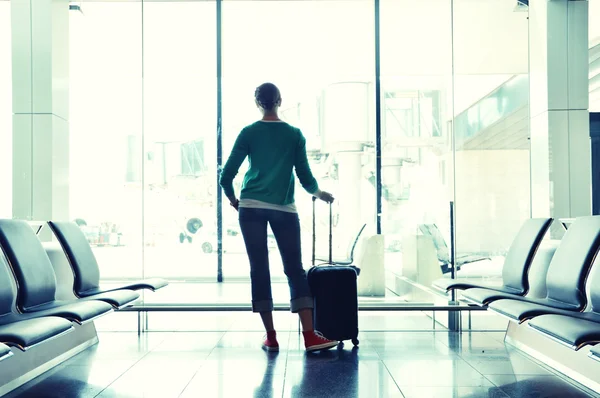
column 270, row 343
column 314, row 341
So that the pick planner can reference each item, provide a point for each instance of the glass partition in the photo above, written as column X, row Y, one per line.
column 180, row 204
column 417, row 158
column 454, row 127
column 594, row 46
column 106, row 149
column 326, row 77
column 491, row 126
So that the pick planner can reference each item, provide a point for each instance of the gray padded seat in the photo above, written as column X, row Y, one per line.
column 5, row 352
column 575, row 329
column 516, row 264
column 567, row 274
column 85, row 267
column 595, row 353
column 31, row 332
column 36, row 279
column 536, row 278
column 24, row 330
column 484, row 296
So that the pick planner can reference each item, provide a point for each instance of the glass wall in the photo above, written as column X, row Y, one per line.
column 417, row 158
column 455, row 128
column 491, row 127
column 491, row 132
column 594, row 37
column 143, row 134
column 143, row 119
column 5, row 111
column 326, row 75
column 106, row 133
column 180, row 202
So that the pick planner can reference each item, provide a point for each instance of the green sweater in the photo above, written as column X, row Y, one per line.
column 274, row 149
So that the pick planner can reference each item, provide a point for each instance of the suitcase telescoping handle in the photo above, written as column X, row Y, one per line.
column 314, row 237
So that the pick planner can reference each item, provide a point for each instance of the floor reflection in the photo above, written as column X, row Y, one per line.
column 527, row 386
column 232, row 364
column 267, row 389
column 332, row 373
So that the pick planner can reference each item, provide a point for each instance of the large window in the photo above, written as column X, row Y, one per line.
column 180, row 202
column 491, row 132
column 106, row 133
column 454, row 126
column 491, row 127
column 5, row 111
column 324, row 67
column 417, row 158
column 143, row 119
column 594, row 37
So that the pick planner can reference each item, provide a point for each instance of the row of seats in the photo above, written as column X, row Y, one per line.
column 569, row 313
column 30, row 314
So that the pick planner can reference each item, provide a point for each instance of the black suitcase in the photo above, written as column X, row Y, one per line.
column 335, row 293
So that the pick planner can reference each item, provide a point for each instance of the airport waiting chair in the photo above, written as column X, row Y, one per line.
column 36, row 279
column 5, row 352
column 516, row 266
column 118, row 299
column 566, row 278
column 85, row 267
column 574, row 330
column 567, row 270
column 443, row 252
column 24, row 330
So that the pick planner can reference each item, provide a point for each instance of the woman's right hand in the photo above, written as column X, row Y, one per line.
column 326, row 197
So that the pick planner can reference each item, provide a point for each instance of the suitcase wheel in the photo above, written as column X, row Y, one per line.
column 355, row 342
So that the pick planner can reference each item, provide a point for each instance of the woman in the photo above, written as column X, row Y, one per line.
column 274, row 149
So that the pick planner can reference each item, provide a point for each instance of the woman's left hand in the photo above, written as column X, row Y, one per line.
column 235, row 204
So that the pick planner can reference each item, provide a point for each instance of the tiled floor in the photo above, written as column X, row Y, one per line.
column 231, row 364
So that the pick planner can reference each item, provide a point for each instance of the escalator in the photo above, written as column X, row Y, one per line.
column 500, row 120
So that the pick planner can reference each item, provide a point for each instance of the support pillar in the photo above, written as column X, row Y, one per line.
column 40, row 81
column 559, row 102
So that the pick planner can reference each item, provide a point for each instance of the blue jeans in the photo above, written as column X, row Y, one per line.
column 286, row 228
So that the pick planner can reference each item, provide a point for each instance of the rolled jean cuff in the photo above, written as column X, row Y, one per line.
column 262, row 306
column 301, row 303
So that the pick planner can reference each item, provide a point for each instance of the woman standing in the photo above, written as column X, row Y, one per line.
column 274, row 149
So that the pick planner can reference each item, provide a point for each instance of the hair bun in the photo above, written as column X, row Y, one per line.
column 267, row 95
